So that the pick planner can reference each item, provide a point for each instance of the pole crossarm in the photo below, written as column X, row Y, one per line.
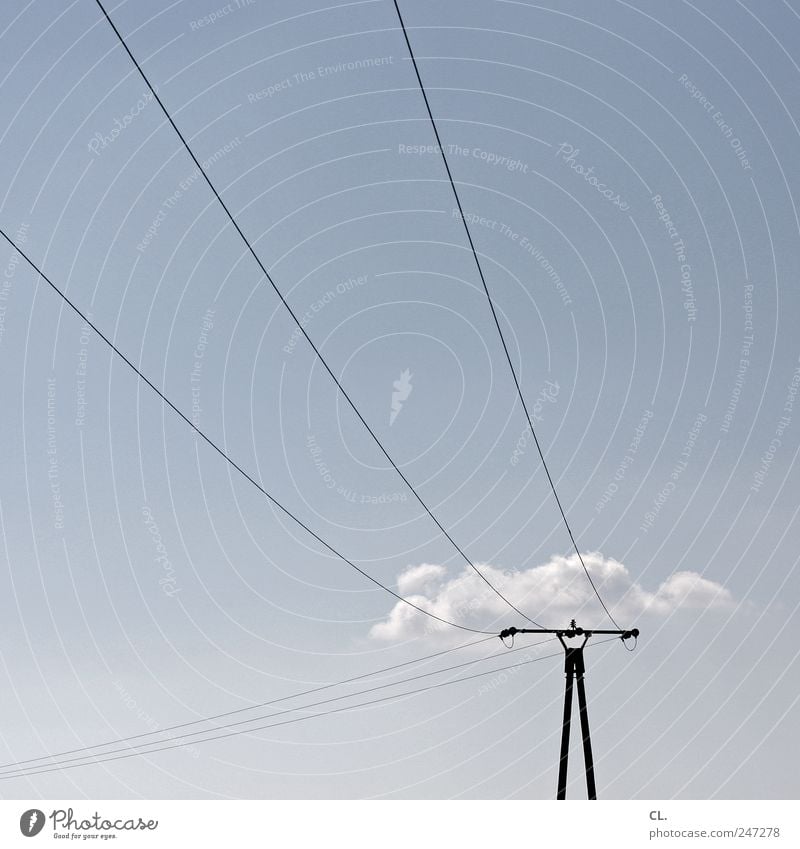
column 572, row 631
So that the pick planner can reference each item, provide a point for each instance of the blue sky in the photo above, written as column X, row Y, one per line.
column 629, row 173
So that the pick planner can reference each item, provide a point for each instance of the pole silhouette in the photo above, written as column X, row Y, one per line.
column 574, row 671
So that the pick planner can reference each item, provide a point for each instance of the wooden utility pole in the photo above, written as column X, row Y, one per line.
column 574, row 669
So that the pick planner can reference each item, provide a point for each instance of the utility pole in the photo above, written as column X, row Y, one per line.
column 574, row 669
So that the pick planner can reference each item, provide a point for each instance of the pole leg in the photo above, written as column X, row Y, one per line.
column 562, row 764
column 587, row 740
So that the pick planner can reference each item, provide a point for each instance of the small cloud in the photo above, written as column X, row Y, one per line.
column 688, row 589
column 553, row 593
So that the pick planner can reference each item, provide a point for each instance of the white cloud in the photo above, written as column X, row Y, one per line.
column 418, row 578
column 688, row 589
column 552, row 593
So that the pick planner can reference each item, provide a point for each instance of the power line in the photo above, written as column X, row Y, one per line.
column 16, row 764
column 427, row 688
column 57, row 768
column 299, row 324
column 220, row 451
column 494, row 312
column 282, row 712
